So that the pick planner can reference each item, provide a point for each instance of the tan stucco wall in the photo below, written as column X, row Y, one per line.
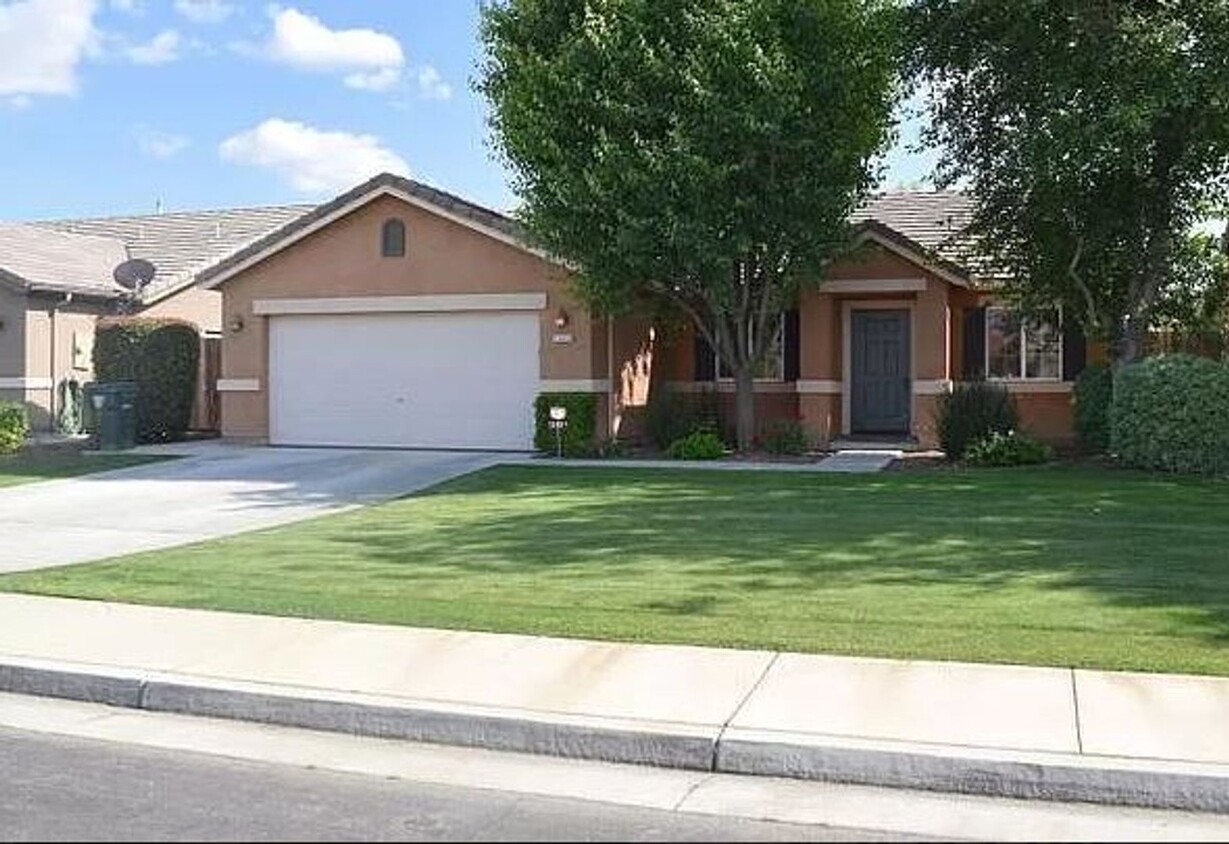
column 343, row 260
column 196, row 305
column 74, row 327
column 12, row 333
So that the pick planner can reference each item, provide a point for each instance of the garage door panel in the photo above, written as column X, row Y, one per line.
column 464, row 380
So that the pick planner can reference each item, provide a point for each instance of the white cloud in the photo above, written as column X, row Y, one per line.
column 205, row 11
column 156, row 144
column 41, row 44
column 312, row 160
column 369, row 60
column 128, row 7
column 163, row 49
column 431, row 85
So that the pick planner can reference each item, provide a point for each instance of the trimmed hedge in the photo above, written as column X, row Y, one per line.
column 973, row 411
column 162, row 357
column 672, row 415
column 1094, row 397
column 581, row 432
column 1171, row 413
column 14, row 426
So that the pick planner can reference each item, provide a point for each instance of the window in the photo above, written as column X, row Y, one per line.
column 1023, row 348
column 392, row 239
column 772, row 367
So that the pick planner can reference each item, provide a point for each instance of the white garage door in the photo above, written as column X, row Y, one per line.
column 456, row 380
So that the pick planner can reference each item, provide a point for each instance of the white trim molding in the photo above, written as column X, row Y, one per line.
column 873, row 285
column 821, row 387
column 23, row 383
column 238, row 385
column 574, row 385
column 1026, row 386
column 935, row 387
column 728, row 386
column 401, row 304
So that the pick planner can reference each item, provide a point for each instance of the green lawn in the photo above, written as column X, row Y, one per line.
column 63, row 463
column 1056, row 566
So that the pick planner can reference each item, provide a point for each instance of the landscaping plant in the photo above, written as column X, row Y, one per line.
column 1171, row 413
column 785, row 437
column 1094, row 396
column 701, row 445
column 577, row 438
column 14, row 426
column 162, row 357
column 672, row 415
column 1009, row 449
column 973, row 411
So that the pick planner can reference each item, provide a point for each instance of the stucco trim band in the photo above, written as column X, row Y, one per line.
column 728, row 386
column 238, row 385
column 574, row 385
column 932, row 388
column 1025, row 387
column 821, row 387
column 402, row 304
column 23, row 383
column 874, row 285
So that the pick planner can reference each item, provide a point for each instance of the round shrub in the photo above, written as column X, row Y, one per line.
column 162, row 357
column 699, row 445
column 1094, row 394
column 973, row 411
column 1010, row 449
column 784, row 436
column 14, row 426
column 1171, row 413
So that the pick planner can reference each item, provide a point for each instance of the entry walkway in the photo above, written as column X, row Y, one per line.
column 1009, row 730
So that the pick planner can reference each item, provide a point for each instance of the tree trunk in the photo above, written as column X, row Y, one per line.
column 744, row 403
column 1131, row 342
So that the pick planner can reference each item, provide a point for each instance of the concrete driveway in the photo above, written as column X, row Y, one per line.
column 216, row 490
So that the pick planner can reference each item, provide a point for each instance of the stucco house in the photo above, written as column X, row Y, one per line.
column 56, row 281
column 398, row 315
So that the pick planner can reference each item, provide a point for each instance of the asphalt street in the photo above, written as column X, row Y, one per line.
column 67, row 788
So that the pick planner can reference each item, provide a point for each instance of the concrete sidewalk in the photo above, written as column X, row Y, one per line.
column 1151, row 740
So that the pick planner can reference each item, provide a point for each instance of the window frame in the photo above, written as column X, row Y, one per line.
column 778, row 379
column 384, row 241
column 1022, row 369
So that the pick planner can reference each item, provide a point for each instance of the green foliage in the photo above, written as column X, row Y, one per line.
column 1010, row 449
column 672, row 415
column 973, row 411
column 162, row 357
column 14, row 426
column 1094, row 396
column 1170, row 413
column 785, row 436
column 705, row 152
column 700, row 445
column 578, row 436
column 1093, row 135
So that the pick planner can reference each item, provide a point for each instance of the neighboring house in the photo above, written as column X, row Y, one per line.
column 56, row 281
column 400, row 315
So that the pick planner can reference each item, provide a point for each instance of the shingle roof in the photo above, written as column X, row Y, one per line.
column 935, row 220
column 181, row 244
column 32, row 257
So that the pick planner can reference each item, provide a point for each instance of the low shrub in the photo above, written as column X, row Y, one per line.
column 578, row 437
column 14, row 426
column 609, row 448
column 1171, row 413
column 973, row 411
column 785, row 436
column 698, row 445
column 161, row 356
column 1094, row 394
column 672, row 415
column 1009, row 449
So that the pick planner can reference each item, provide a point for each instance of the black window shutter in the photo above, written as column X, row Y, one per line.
column 1075, row 351
column 790, row 342
column 974, row 344
column 706, row 361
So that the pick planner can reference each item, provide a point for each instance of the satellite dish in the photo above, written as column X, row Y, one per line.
column 134, row 274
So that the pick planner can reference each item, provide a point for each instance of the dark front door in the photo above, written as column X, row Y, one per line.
column 880, row 388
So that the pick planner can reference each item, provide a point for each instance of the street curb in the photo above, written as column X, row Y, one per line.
column 1038, row 776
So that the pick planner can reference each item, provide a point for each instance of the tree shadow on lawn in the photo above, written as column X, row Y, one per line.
column 1131, row 540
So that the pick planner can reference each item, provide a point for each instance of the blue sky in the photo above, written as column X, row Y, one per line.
column 110, row 106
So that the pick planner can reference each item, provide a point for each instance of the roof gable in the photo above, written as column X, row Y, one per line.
column 34, row 259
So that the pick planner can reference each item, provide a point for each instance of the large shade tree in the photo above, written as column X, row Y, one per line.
column 703, row 153
column 1093, row 134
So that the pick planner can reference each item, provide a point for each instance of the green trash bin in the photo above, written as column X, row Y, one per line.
column 111, row 410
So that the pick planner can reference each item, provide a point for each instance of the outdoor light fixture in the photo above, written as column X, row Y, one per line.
column 561, row 319
column 236, row 323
